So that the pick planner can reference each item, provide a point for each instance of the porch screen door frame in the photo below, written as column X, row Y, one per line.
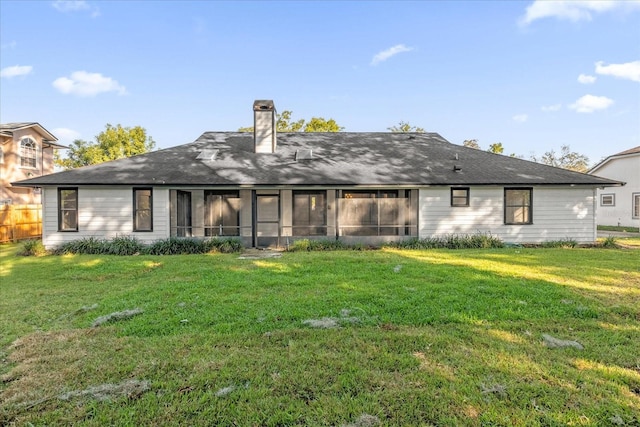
column 267, row 216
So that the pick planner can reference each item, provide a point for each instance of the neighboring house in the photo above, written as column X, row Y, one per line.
column 270, row 189
column 26, row 151
column 620, row 206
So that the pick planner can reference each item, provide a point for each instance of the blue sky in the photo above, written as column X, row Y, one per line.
column 533, row 75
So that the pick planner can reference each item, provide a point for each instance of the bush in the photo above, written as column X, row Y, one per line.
column 33, row 248
column 563, row 243
column 609, row 242
column 127, row 245
column 308, row 245
column 123, row 246
column 87, row 245
column 451, row 241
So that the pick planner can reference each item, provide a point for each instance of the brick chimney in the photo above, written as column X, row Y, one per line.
column 264, row 126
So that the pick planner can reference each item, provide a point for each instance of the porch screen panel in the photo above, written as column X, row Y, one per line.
column 309, row 213
column 268, row 216
column 221, row 213
column 389, row 213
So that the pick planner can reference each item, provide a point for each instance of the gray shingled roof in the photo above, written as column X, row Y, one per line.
column 338, row 159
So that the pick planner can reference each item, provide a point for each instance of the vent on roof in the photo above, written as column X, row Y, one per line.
column 208, row 154
column 304, row 154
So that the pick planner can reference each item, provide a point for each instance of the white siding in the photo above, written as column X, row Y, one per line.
column 558, row 213
column 625, row 169
column 104, row 213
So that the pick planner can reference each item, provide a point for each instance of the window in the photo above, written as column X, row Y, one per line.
column 607, row 200
column 517, row 206
column 309, row 213
column 28, row 153
column 460, row 196
column 67, row 209
column 142, row 209
column 1, row 155
column 221, row 213
column 636, row 205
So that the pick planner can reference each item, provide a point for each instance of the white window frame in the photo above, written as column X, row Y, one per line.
column 22, row 147
column 635, row 205
column 608, row 195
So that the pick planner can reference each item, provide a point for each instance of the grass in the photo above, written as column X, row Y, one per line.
column 435, row 337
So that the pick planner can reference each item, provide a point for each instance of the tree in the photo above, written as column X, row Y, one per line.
column 405, row 127
column 567, row 159
column 319, row 124
column 115, row 142
column 471, row 143
column 316, row 124
column 496, row 148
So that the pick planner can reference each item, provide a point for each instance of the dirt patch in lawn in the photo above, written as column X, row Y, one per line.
column 56, row 365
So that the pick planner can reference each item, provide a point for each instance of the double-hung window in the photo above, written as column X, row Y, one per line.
column 28, row 153
column 142, row 209
column 636, row 205
column 607, row 200
column 67, row 209
column 459, row 196
column 518, row 206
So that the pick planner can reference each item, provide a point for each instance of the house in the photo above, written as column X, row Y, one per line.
column 270, row 188
column 620, row 206
column 26, row 151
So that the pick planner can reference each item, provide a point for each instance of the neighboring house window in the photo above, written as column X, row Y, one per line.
column 1, row 155
column 517, row 206
column 607, row 200
column 636, row 205
column 460, row 196
column 371, row 213
column 67, row 209
column 28, row 153
column 142, row 209
column 309, row 213
column 221, row 213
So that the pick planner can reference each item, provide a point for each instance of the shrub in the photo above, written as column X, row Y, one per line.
column 87, row 245
column 562, row 243
column 33, row 248
column 124, row 245
column 223, row 246
column 183, row 246
column 609, row 242
column 451, row 241
column 307, row 245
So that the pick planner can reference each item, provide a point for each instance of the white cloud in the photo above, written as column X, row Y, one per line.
column 591, row 103
column 81, row 83
column 550, row 108
column 520, row 118
column 16, row 70
column 386, row 54
column 75, row 6
column 575, row 10
column 66, row 135
column 586, row 79
column 629, row 70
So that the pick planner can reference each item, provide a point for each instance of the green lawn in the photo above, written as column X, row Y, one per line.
column 435, row 337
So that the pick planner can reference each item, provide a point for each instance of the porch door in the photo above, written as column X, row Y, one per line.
column 184, row 214
column 267, row 229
